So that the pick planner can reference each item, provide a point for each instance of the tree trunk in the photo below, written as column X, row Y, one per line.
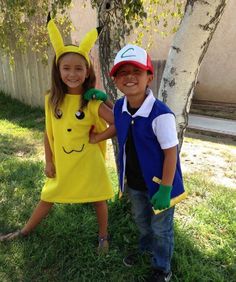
column 186, row 53
column 111, row 17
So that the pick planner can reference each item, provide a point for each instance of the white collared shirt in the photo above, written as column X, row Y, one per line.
column 164, row 126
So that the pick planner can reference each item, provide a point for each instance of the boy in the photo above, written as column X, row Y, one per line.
column 147, row 138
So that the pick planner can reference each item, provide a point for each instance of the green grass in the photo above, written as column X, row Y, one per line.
column 63, row 247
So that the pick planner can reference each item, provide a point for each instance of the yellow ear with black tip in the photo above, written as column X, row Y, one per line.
column 88, row 42
column 58, row 45
column 55, row 37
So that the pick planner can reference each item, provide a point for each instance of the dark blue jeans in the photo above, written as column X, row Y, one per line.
column 156, row 231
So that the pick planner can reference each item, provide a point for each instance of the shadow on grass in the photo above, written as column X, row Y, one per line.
column 20, row 184
column 63, row 248
column 21, row 114
column 190, row 264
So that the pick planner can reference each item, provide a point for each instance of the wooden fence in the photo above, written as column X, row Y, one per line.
column 28, row 79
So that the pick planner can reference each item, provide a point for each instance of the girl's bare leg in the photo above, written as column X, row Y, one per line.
column 102, row 218
column 41, row 210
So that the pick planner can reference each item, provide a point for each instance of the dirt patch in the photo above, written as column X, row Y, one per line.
column 214, row 157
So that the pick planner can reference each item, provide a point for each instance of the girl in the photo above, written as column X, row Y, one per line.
column 75, row 168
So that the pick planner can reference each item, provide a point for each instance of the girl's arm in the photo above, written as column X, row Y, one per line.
column 105, row 113
column 49, row 167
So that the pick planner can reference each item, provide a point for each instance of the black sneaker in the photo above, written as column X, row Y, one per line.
column 136, row 258
column 159, row 276
column 131, row 260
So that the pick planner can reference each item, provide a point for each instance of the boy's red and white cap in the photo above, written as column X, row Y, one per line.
column 134, row 55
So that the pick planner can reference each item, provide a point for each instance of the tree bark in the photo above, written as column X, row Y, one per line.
column 186, row 53
column 111, row 17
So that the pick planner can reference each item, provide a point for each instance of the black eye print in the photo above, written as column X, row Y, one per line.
column 58, row 114
column 79, row 115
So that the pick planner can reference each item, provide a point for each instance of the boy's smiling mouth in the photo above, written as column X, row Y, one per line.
column 129, row 84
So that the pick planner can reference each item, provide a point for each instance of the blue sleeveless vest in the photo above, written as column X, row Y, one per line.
column 149, row 152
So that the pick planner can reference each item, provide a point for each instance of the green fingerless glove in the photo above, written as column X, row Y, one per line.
column 161, row 199
column 96, row 94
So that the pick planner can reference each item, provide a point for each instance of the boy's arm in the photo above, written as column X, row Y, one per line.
column 161, row 199
column 96, row 94
column 106, row 113
column 49, row 167
column 169, row 166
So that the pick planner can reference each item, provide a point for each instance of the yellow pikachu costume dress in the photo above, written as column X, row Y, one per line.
column 81, row 174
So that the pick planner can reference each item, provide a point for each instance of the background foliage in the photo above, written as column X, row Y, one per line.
column 23, row 22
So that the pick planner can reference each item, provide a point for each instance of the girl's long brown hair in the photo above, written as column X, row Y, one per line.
column 59, row 88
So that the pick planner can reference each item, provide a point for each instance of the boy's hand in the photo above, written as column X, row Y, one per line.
column 161, row 199
column 50, row 171
column 92, row 135
column 92, row 138
column 96, row 94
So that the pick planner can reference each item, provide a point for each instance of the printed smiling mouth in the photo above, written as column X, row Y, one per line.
column 76, row 151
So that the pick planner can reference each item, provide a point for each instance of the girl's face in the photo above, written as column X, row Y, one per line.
column 73, row 70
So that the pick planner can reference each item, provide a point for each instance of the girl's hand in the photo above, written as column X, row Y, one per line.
column 50, row 170
column 96, row 94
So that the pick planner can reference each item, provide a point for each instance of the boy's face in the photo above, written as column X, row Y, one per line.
column 132, row 81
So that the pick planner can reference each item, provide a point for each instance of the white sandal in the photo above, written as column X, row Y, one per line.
column 11, row 236
column 103, row 245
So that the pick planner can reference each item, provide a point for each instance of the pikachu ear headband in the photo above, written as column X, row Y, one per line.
column 58, row 44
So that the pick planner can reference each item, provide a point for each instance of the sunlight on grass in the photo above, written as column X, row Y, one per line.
column 184, row 154
column 20, row 142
